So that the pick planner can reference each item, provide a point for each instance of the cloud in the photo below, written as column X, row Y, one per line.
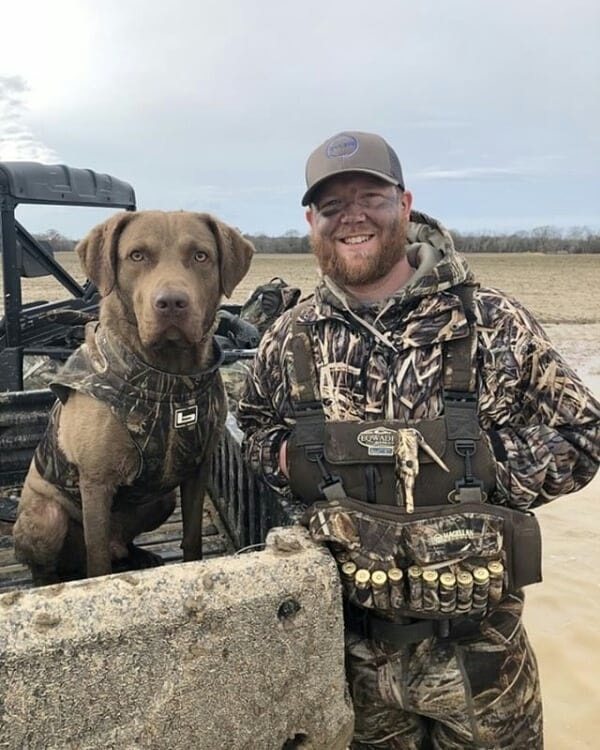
column 437, row 123
column 543, row 165
column 216, row 105
column 17, row 142
column 469, row 173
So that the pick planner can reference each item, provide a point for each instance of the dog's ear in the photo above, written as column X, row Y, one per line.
column 235, row 253
column 98, row 251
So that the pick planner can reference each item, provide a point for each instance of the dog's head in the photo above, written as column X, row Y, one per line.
column 164, row 271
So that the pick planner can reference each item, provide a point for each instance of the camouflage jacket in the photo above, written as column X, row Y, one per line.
column 384, row 360
column 171, row 419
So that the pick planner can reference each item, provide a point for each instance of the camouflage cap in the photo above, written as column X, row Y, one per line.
column 352, row 151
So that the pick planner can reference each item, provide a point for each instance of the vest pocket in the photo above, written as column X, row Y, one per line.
column 443, row 562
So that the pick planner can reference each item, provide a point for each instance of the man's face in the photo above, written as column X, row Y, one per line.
column 358, row 228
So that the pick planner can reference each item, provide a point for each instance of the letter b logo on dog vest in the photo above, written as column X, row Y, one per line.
column 186, row 417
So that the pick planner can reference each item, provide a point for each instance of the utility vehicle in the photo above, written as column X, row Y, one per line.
column 236, row 651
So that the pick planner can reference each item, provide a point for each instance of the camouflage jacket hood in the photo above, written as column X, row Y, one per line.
column 384, row 361
column 170, row 418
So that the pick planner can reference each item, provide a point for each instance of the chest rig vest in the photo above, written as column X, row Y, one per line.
column 170, row 418
column 367, row 460
column 405, row 504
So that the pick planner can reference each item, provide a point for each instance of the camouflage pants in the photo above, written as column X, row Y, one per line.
column 443, row 694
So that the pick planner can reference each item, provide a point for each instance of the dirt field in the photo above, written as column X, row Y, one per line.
column 556, row 288
column 563, row 291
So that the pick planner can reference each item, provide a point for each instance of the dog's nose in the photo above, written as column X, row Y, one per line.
column 171, row 302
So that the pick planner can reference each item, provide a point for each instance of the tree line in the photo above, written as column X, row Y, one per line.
column 539, row 240
column 576, row 240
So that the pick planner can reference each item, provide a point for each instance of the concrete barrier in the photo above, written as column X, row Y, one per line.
column 237, row 653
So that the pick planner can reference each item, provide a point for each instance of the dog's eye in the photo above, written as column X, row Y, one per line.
column 200, row 256
column 136, row 255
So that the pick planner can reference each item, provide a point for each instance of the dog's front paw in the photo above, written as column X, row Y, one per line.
column 137, row 559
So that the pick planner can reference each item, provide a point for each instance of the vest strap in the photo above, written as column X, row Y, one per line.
column 459, row 398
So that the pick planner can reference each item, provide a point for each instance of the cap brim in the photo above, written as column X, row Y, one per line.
column 307, row 197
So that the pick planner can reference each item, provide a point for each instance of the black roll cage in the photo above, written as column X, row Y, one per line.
column 47, row 328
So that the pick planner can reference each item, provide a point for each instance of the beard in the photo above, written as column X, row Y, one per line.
column 372, row 267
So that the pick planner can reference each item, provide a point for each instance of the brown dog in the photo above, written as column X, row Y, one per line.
column 141, row 401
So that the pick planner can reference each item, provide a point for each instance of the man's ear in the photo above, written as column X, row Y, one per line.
column 98, row 251
column 406, row 201
column 235, row 253
column 309, row 216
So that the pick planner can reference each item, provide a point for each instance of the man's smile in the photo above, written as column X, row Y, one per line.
column 356, row 239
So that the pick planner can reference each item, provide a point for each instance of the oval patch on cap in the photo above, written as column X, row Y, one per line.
column 343, row 145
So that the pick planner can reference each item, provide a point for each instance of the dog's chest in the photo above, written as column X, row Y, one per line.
column 171, row 436
column 171, row 419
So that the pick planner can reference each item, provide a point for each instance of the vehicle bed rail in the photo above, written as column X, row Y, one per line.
column 247, row 506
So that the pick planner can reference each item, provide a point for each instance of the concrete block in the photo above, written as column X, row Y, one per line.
column 237, row 653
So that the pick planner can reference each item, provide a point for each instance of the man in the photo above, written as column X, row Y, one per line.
column 418, row 416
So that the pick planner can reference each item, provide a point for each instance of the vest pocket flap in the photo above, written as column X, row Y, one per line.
column 373, row 442
column 527, row 550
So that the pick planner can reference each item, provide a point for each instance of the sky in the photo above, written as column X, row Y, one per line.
column 214, row 105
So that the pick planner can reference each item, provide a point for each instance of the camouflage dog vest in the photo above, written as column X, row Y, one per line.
column 157, row 408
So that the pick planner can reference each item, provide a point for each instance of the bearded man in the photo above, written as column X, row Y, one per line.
column 419, row 417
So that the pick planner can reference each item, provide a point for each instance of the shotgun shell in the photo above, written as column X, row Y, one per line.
column 348, row 570
column 447, row 592
column 481, row 587
column 396, row 584
column 362, row 586
column 415, row 587
column 496, row 571
column 379, row 588
column 464, row 591
column 431, row 599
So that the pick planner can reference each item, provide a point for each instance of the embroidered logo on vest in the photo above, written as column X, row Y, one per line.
column 379, row 441
column 454, row 535
column 186, row 417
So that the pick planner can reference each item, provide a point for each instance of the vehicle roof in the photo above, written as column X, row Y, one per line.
column 31, row 182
